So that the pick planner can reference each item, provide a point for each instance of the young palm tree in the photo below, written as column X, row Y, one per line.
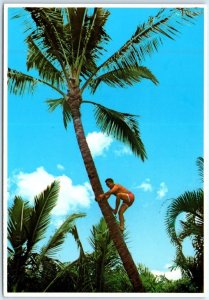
column 104, row 256
column 27, row 226
column 190, row 203
column 65, row 46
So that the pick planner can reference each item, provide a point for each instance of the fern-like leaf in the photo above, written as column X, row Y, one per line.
column 20, row 83
column 40, row 218
column 19, row 216
column 121, row 126
column 58, row 237
column 123, row 77
column 37, row 59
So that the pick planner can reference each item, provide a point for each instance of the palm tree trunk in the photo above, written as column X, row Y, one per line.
column 115, row 233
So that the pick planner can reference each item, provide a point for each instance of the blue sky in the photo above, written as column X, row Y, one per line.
column 171, row 125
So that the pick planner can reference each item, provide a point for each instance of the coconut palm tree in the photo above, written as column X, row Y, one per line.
column 27, row 226
column 65, row 46
column 191, row 204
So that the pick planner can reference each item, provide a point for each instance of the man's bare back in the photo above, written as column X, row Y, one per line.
column 117, row 188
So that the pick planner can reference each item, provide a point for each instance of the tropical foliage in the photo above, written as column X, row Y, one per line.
column 98, row 271
column 27, row 226
column 191, row 204
column 161, row 284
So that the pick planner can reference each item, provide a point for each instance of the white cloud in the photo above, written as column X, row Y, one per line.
column 98, row 142
column 57, row 222
column 146, row 185
column 162, row 191
column 123, row 151
column 71, row 197
column 171, row 275
column 60, row 167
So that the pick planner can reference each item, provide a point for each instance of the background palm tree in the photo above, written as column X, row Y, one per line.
column 27, row 226
column 105, row 256
column 98, row 271
column 192, row 205
column 65, row 46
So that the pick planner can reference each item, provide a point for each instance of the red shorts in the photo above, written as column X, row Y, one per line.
column 130, row 198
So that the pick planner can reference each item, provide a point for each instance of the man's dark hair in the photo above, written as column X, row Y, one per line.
column 109, row 180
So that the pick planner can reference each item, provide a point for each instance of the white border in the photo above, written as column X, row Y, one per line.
column 109, row 5
column 206, row 149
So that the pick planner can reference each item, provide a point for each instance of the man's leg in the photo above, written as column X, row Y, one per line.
column 121, row 217
column 124, row 206
column 117, row 203
column 120, row 196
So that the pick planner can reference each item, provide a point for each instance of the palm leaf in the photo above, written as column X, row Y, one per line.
column 19, row 215
column 37, row 60
column 85, row 36
column 147, row 39
column 95, row 35
column 121, row 126
column 64, row 268
column 20, row 83
column 67, row 114
column 123, row 77
column 200, row 165
column 75, row 234
column 54, row 103
column 189, row 202
column 66, row 111
column 190, row 229
column 40, row 219
column 50, row 34
column 58, row 237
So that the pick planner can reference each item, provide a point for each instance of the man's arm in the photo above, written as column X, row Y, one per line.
column 109, row 193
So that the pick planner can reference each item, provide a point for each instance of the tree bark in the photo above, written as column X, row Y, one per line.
column 115, row 233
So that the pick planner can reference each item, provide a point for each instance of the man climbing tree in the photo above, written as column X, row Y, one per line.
column 121, row 193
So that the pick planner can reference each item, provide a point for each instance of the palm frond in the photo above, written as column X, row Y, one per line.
column 40, row 218
column 50, row 34
column 66, row 112
column 190, row 229
column 58, row 237
column 20, row 83
column 37, row 60
column 64, row 268
column 86, row 36
column 94, row 36
column 147, row 39
column 121, row 126
column 75, row 234
column 200, row 165
column 19, row 215
column 54, row 103
column 189, row 202
column 104, row 252
column 122, row 77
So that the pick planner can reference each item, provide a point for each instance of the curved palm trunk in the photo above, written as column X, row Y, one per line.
column 115, row 233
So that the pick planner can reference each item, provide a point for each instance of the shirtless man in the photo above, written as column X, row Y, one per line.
column 121, row 193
